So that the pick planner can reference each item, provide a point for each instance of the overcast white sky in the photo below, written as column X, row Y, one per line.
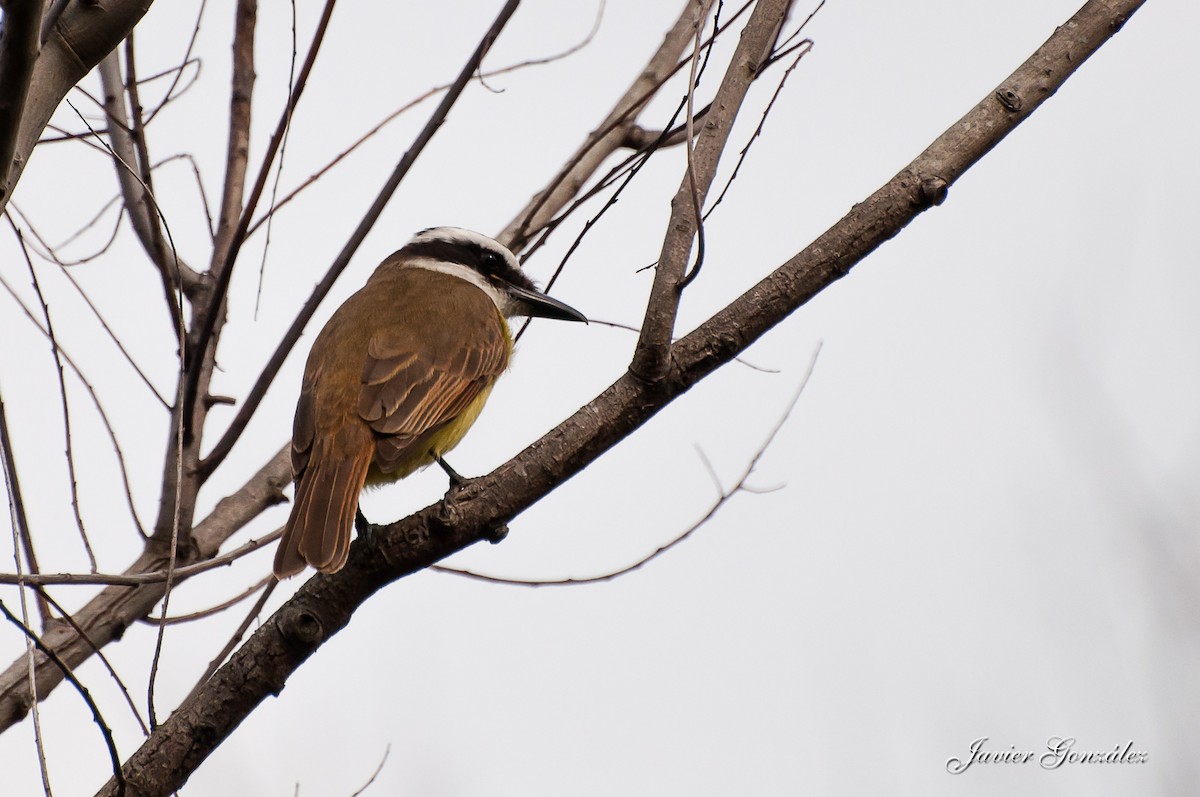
column 987, row 517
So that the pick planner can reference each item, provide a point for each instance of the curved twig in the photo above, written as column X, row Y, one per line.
column 723, row 496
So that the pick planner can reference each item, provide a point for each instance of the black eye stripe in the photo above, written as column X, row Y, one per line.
column 486, row 261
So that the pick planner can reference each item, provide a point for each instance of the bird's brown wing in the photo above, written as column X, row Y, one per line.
column 414, row 387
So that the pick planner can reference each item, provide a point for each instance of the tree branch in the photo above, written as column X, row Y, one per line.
column 610, row 136
column 20, row 40
column 650, row 356
column 74, row 42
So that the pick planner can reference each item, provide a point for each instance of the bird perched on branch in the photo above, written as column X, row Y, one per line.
column 396, row 378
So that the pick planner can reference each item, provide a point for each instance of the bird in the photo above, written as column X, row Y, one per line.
column 397, row 376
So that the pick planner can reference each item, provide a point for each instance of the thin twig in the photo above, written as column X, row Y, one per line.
column 630, row 328
column 723, row 496
column 66, row 410
column 801, row 49
column 49, row 252
column 91, row 391
column 287, row 127
column 136, row 579
column 178, row 71
column 51, row 255
column 70, row 620
column 180, row 272
column 22, row 540
column 782, row 49
column 211, row 610
column 391, row 117
column 97, row 717
column 374, row 774
column 690, row 149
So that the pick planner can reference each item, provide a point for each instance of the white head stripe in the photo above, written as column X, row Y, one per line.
column 499, row 298
column 462, row 236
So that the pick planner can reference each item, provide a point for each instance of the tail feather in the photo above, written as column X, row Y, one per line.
column 318, row 530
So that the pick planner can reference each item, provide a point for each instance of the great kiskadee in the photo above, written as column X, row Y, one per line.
column 397, row 376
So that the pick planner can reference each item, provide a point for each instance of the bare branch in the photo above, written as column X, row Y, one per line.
column 230, row 237
column 146, row 577
column 20, row 41
column 75, row 37
column 237, row 150
column 650, row 359
column 140, row 206
column 198, row 350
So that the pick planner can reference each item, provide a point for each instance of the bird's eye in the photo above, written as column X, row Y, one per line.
column 492, row 262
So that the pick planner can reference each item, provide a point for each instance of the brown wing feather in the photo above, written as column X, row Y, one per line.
column 420, row 375
column 327, row 489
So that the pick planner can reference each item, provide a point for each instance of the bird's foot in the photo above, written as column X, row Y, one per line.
column 460, row 487
column 457, row 480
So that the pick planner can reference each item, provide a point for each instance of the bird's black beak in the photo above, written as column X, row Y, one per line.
column 536, row 304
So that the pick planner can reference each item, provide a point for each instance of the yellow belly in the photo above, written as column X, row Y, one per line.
column 442, row 441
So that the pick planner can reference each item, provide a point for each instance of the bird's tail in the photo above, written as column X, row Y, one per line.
column 318, row 530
